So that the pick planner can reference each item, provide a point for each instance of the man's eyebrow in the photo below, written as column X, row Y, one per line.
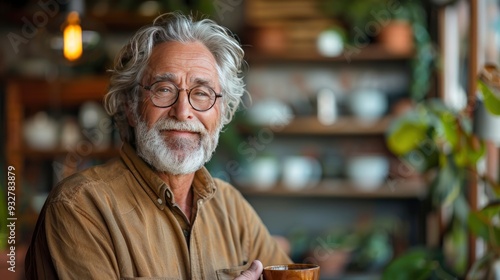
column 165, row 77
column 196, row 81
column 172, row 77
column 202, row 82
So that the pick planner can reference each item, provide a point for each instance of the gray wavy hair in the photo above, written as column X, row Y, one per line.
column 132, row 60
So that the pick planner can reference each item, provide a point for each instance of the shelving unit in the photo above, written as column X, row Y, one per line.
column 310, row 125
column 369, row 53
column 334, row 202
column 392, row 189
column 24, row 98
column 68, row 92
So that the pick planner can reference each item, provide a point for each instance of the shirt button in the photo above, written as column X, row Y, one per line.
column 159, row 201
column 186, row 232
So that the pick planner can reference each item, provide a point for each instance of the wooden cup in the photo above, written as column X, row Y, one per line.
column 291, row 272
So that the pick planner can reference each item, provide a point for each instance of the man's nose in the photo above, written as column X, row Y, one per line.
column 181, row 110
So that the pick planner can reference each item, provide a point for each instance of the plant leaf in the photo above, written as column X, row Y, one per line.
column 423, row 158
column 461, row 208
column 406, row 136
column 449, row 128
column 482, row 223
column 471, row 152
column 491, row 102
column 418, row 263
column 446, row 186
column 493, row 184
column 455, row 247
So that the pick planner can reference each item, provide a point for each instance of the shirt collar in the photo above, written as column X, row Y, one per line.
column 203, row 184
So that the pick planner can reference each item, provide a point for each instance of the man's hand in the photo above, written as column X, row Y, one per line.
column 252, row 273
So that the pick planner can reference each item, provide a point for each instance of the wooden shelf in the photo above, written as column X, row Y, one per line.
column 24, row 95
column 343, row 126
column 369, row 53
column 391, row 189
column 39, row 94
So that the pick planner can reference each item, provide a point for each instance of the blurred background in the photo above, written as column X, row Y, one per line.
column 315, row 148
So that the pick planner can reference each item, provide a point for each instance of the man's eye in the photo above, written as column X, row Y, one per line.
column 200, row 93
column 164, row 90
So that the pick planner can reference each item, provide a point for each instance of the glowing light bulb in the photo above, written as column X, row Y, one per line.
column 73, row 46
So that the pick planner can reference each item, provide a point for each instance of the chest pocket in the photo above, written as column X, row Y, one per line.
column 230, row 273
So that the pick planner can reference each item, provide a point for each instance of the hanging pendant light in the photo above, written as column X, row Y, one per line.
column 75, row 41
column 72, row 37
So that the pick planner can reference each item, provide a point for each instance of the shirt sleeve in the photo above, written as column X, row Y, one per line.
column 260, row 243
column 70, row 244
column 76, row 229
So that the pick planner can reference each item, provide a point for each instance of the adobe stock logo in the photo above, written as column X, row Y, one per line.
column 29, row 29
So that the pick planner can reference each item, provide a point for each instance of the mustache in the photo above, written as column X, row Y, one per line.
column 172, row 124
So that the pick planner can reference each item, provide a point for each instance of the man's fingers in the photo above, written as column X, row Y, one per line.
column 252, row 273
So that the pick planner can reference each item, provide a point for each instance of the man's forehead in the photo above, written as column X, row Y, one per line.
column 191, row 48
column 176, row 61
column 168, row 76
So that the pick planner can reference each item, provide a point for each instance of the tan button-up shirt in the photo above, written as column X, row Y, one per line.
column 119, row 221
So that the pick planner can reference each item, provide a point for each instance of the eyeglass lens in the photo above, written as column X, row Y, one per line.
column 165, row 94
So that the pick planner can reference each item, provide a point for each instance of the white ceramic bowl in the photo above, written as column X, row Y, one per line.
column 270, row 112
column 368, row 172
column 264, row 172
column 41, row 131
column 368, row 104
column 300, row 172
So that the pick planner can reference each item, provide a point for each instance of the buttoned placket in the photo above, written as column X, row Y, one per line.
column 181, row 218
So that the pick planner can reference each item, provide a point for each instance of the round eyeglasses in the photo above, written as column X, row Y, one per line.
column 165, row 94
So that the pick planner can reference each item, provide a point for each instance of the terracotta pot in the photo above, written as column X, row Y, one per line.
column 332, row 262
column 269, row 39
column 397, row 37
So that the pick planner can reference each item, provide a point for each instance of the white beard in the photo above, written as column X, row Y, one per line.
column 175, row 156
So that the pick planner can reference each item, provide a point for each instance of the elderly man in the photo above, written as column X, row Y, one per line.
column 156, row 212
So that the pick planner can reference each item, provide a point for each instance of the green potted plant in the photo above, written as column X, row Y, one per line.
column 355, row 14
column 366, row 20
column 366, row 246
column 333, row 251
column 441, row 144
